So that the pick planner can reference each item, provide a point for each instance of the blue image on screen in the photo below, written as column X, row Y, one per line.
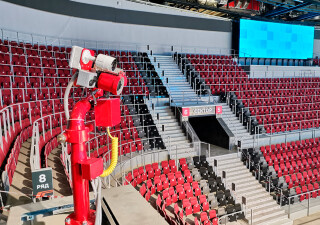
column 275, row 40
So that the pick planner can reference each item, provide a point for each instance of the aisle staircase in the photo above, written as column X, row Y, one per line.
column 239, row 131
column 265, row 210
column 180, row 90
column 173, row 136
column 181, row 94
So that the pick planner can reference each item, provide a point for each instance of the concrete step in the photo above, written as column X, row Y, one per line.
column 177, row 144
column 173, row 73
column 282, row 222
column 182, row 85
column 228, row 161
column 187, row 92
column 169, row 129
column 274, row 218
column 162, row 107
column 256, row 205
column 175, row 139
column 185, row 154
column 162, row 114
column 161, row 111
column 241, row 190
column 261, row 196
column 224, row 157
column 252, row 190
column 244, row 176
column 181, row 95
column 166, row 121
column 231, row 167
column 176, row 81
column 178, row 78
column 266, row 212
column 241, row 184
column 165, row 116
column 231, row 121
column 235, row 173
column 172, row 134
column 167, row 125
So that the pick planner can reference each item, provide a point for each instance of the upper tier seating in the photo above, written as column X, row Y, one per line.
column 280, row 104
column 212, row 73
column 274, row 104
column 34, row 72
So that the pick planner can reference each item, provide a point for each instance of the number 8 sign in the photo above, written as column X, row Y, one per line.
column 42, row 183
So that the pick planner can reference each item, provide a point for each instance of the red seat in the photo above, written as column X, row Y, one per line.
column 203, row 217
column 196, row 208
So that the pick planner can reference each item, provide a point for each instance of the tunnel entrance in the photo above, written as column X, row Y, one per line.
column 212, row 130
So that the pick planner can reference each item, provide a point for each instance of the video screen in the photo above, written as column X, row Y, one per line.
column 275, row 40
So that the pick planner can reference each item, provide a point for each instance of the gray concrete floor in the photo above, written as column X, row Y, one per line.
column 313, row 219
column 60, row 182
column 21, row 187
column 216, row 150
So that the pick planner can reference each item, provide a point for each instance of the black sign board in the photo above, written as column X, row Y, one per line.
column 244, row 200
column 239, row 144
column 42, row 183
column 215, row 163
column 224, row 174
column 233, row 187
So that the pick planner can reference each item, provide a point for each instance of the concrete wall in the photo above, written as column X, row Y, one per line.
column 125, row 28
column 260, row 71
column 316, row 47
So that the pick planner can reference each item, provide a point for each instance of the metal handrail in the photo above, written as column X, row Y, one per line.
column 35, row 156
column 308, row 194
column 120, row 46
column 225, row 217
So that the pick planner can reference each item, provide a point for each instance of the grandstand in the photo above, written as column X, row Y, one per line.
column 196, row 112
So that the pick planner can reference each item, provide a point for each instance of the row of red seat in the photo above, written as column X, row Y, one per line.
column 216, row 66
column 300, row 179
column 306, row 143
column 265, row 111
column 291, row 126
column 173, row 186
column 298, row 162
column 6, row 44
column 9, row 137
column 205, row 56
column 223, row 76
column 12, row 160
column 308, row 188
column 21, row 61
column 18, row 95
column 277, row 93
column 291, row 92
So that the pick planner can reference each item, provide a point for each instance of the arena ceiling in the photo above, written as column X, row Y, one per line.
column 290, row 11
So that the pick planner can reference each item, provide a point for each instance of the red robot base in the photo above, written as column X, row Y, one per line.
column 71, row 219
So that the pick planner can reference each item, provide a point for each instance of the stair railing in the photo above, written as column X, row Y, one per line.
column 225, row 218
column 307, row 194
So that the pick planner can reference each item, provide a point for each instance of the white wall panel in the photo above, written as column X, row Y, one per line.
column 27, row 20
